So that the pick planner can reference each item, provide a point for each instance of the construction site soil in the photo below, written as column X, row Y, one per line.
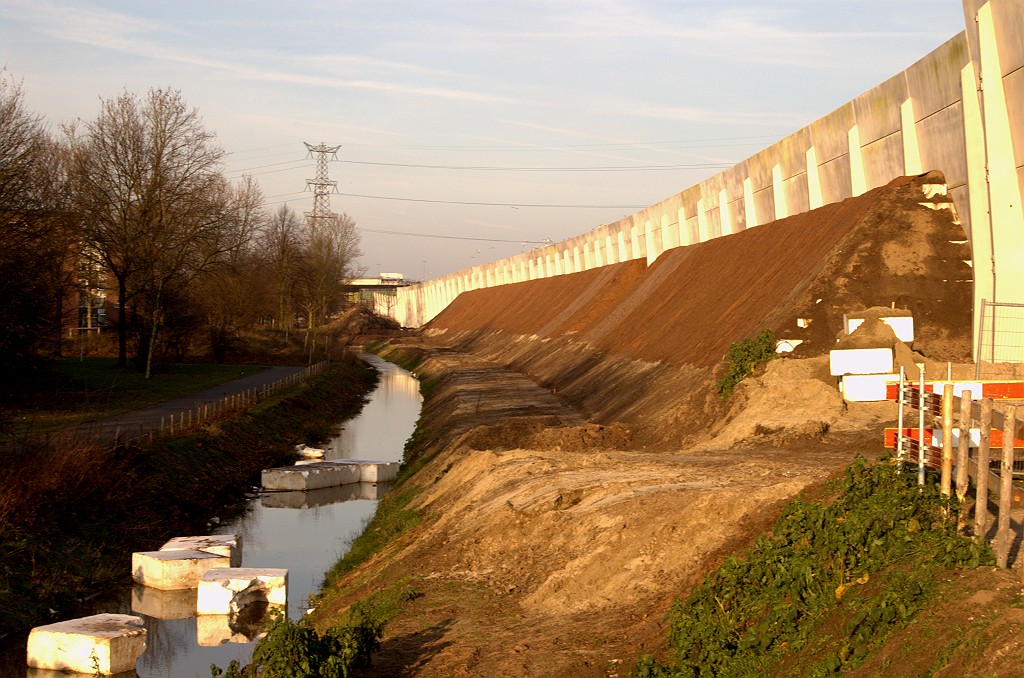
column 581, row 470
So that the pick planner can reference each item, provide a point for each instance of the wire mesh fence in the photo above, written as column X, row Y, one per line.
column 1000, row 350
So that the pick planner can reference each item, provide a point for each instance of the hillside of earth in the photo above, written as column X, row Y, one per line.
column 575, row 470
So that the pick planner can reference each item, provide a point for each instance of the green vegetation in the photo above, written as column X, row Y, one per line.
column 76, row 511
column 392, row 518
column 86, row 389
column 296, row 650
column 743, row 358
column 831, row 582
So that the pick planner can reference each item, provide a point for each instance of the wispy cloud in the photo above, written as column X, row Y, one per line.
column 118, row 32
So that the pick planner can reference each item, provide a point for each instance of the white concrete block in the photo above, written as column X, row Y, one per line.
column 902, row 325
column 309, row 476
column 170, row 570
column 229, row 545
column 860, row 361
column 159, row 604
column 229, row 590
column 110, row 643
column 371, row 471
column 866, row 388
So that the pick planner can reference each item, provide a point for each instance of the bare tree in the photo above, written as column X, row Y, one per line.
column 37, row 244
column 282, row 243
column 147, row 186
column 331, row 250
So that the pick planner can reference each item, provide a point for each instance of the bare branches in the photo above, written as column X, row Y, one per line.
column 147, row 183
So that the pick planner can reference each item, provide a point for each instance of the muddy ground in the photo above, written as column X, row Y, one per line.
column 584, row 473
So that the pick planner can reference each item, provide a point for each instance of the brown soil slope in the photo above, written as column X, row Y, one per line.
column 880, row 249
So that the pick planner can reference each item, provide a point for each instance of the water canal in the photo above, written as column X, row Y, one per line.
column 303, row 532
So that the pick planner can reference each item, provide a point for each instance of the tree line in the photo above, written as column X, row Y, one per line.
column 132, row 210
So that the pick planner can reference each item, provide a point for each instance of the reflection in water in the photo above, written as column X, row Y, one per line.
column 395, row 403
column 164, row 604
column 298, row 499
column 306, row 535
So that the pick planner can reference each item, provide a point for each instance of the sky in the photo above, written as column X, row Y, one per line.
column 470, row 130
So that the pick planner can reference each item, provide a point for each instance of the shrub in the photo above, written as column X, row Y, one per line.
column 743, row 358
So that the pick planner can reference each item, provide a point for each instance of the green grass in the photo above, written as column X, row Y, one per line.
column 93, row 388
column 830, row 583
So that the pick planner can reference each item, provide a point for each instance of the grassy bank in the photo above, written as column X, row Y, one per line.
column 829, row 586
column 71, row 515
column 79, row 390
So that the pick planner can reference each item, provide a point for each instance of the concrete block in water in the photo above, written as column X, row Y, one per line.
column 372, row 471
column 860, row 361
column 160, row 604
column 220, row 544
column 109, row 643
column 309, row 476
column 229, row 590
column 170, row 570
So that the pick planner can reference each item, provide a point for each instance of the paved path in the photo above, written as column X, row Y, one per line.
column 139, row 422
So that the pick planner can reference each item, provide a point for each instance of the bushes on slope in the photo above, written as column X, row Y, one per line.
column 832, row 580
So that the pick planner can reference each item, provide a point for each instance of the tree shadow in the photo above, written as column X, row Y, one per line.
column 405, row 655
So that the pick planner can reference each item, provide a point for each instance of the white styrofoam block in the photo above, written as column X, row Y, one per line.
column 860, row 361
column 229, row 590
column 865, row 388
column 309, row 476
column 221, row 544
column 171, row 570
column 902, row 325
column 109, row 643
column 160, row 604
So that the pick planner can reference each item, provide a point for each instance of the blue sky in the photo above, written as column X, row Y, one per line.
column 473, row 130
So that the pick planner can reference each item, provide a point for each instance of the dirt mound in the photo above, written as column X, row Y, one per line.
column 796, row 276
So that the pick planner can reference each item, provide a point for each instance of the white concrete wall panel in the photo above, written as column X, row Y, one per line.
column 878, row 110
column 795, row 191
column 883, row 160
column 829, row 134
column 933, row 83
column 943, row 145
column 835, row 179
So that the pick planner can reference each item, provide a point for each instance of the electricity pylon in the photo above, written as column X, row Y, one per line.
column 322, row 186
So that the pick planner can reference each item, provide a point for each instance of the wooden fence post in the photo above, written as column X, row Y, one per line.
column 947, row 439
column 984, row 461
column 1006, row 488
column 963, row 476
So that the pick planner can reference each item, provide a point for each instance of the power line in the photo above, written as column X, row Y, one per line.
column 484, row 168
column 452, row 237
column 491, row 204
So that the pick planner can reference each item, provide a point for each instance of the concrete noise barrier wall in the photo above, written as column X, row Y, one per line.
column 959, row 110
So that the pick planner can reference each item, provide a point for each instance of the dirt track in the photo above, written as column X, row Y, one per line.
column 586, row 474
